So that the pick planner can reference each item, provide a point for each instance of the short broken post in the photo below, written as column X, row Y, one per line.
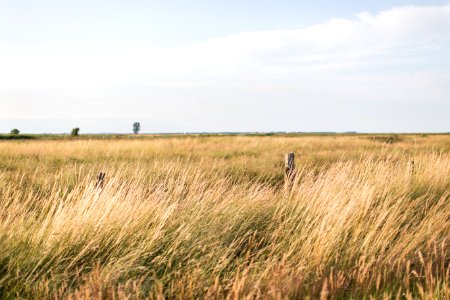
column 289, row 163
column 100, row 179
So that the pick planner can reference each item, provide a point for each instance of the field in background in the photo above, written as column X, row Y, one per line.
column 211, row 216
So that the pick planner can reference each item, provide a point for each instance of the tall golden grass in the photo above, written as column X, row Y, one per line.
column 198, row 217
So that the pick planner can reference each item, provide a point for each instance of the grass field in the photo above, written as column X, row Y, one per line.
column 187, row 217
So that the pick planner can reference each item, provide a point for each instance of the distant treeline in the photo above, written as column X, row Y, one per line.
column 16, row 137
column 47, row 136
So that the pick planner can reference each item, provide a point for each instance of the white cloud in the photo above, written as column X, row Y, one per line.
column 335, row 43
column 405, row 44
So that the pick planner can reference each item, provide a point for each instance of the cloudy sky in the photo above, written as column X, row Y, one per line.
column 203, row 65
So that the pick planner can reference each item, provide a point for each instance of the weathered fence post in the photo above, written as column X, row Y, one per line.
column 411, row 164
column 100, row 179
column 289, row 163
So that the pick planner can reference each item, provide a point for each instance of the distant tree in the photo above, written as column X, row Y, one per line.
column 14, row 131
column 75, row 131
column 136, row 127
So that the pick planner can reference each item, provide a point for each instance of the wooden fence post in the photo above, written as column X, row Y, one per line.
column 289, row 163
column 411, row 163
column 100, row 179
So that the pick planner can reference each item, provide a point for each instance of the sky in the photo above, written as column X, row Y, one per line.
column 225, row 66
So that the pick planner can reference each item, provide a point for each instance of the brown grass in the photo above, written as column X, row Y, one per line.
column 212, row 218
